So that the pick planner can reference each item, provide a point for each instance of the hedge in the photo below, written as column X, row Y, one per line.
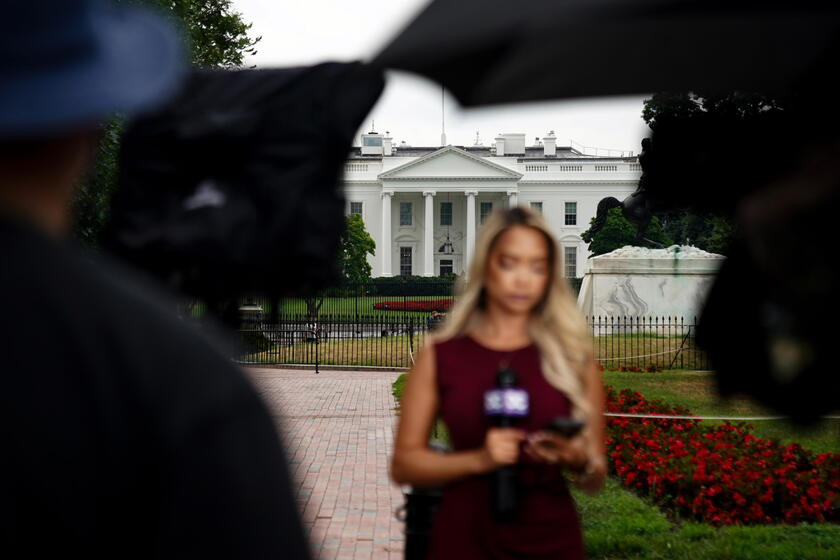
column 415, row 305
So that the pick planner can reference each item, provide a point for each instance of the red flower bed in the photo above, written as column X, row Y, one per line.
column 718, row 474
column 428, row 305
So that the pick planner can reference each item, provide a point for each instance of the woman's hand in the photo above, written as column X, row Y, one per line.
column 554, row 449
column 501, row 447
column 592, row 479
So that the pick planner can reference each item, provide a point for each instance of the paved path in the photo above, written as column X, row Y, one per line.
column 338, row 430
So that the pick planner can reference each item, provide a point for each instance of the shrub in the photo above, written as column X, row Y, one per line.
column 253, row 341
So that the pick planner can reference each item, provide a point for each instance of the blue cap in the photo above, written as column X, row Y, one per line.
column 70, row 63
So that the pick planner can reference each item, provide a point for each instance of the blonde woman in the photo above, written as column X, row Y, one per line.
column 515, row 311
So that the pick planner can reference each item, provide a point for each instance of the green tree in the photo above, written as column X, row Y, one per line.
column 669, row 105
column 356, row 245
column 662, row 107
column 618, row 232
column 216, row 36
column 709, row 232
column 683, row 226
column 719, row 236
column 93, row 196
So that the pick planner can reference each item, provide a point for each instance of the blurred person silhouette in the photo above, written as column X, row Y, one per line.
column 515, row 311
column 124, row 433
column 433, row 320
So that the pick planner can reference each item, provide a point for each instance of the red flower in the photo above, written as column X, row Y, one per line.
column 720, row 474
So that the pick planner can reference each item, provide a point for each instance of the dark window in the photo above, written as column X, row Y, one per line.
column 446, row 213
column 405, row 261
column 537, row 206
column 571, row 214
column 445, row 266
column 405, row 213
column 484, row 210
column 372, row 141
column 356, row 208
column 570, row 254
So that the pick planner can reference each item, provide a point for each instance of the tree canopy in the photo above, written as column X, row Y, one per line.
column 356, row 245
column 710, row 232
column 618, row 232
column 664, row 106
column 216, row 36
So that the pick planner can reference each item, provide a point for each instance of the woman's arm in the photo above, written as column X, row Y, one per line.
column 413, row 462
column 592, row 480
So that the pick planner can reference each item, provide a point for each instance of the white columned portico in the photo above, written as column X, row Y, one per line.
column 470, row 248
column 386, row 233
column 512, row 199
column 428, row 238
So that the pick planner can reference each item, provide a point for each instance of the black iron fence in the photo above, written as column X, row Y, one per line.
column 391, row 340
column 646, row 343
column 368, row 340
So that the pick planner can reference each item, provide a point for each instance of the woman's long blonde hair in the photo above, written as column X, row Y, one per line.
column 557, row 327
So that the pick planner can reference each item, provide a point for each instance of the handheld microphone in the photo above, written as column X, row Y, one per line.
column 505, row 404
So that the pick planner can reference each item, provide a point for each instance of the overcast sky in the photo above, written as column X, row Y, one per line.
column 296, row 32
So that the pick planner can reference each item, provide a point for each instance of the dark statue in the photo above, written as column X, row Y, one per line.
column 636, row 208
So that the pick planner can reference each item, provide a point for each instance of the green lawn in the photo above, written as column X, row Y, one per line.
column 388, row 351
column 643, row 349
column 618, row 524
column 393, row 351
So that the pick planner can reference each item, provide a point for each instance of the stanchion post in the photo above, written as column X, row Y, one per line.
column 317, row 345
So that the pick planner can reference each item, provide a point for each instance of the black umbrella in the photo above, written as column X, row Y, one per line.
column 233, row 187
column 498, row 51
column 764, row 323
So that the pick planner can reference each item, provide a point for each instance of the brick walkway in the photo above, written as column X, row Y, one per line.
column 338, row 430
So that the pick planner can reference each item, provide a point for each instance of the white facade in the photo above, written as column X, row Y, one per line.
column 404, row 195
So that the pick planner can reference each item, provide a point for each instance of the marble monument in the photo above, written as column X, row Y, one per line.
column 642, row 282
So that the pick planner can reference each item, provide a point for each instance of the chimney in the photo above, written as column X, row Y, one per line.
column 550, row 145
column 500, row 146
column 387, row 144
column 514, row 143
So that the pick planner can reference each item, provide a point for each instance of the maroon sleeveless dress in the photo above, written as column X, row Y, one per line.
column 547, row 525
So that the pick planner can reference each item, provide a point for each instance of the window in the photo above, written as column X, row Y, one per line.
column 405, row 261
column 445, row 266
column 571, row 214
column 405, row 213
column 570, row 261
column 446, row 213
column 356, row 208
column 484, row 210
column 374, row 141
column 537, row 207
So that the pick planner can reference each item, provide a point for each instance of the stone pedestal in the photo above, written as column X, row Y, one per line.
column 641, row 282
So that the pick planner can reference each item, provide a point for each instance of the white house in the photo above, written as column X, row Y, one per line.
column 425, row 206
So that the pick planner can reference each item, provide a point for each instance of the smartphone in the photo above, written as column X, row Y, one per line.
column 566, row 427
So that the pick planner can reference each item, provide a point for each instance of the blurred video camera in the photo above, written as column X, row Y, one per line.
column 232, row 187
column 773, row 167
